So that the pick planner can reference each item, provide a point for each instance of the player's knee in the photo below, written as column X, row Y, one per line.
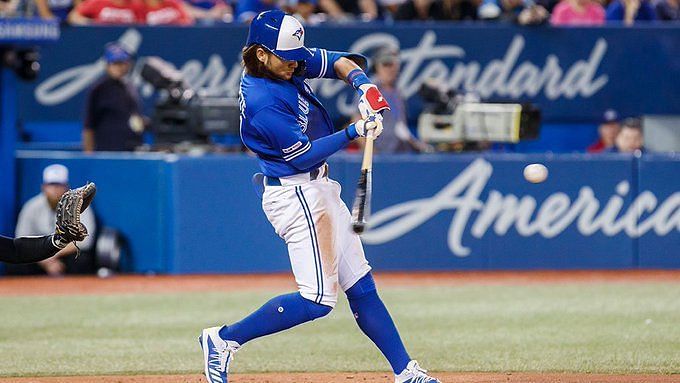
column 364, row 286
column 316, row 310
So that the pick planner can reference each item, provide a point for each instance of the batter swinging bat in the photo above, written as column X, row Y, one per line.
column 361, row 209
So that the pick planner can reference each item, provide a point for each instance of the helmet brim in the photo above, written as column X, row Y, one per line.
column 298, row 54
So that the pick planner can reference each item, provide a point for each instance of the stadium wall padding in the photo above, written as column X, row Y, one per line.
column 183, row 214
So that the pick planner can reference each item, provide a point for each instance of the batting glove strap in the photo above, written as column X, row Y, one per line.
column 357, row 78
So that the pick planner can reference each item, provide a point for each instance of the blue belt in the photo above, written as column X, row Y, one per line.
column 314, row 174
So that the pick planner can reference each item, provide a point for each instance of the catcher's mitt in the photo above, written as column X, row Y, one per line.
column 72, row 203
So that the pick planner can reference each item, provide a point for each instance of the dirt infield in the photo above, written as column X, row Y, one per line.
column 192, row 283
column 363, row 378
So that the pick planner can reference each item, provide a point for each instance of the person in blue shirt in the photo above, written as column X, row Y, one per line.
column 246, row 10
column 290, row 131
column 630, row 11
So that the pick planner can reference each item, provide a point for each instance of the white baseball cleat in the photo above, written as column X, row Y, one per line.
column 217, row 354
column 414, row 374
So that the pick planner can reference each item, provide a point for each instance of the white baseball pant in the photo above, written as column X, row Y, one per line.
column 315, row 224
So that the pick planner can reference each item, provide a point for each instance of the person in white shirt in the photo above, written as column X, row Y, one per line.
column 38, row 215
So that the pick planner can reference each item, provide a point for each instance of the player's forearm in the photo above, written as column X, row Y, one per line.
column 343, row 66
column 30, row 249
column 323, row 148
column 43, row 9
column 76, row 18
column 88, row 140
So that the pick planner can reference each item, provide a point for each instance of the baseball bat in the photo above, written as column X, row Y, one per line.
column 361, row 209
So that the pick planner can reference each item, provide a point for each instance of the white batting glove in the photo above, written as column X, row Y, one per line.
column 372, row 123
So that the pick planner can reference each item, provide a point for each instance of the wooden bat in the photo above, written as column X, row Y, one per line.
column 361, row 209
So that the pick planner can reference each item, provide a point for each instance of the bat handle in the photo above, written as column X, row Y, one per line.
column 367, row 162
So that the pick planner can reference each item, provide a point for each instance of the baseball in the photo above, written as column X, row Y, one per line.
column 535, row 173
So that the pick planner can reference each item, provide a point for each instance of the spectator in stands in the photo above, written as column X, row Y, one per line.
column 113, row 119
column 423, row 10
column 577, row 12
column 164, row 12
column 55, row 9
column 630, row 138
column 246, row 10
column 37, row 217
column 550, row 5
column 304, row 11
column 630, row 11
column 608, row 130
column 396, row 136
column 9, row 8
column 533, row 14
column 105, row 12
column 348, row 10
column 523, row 12
column 668, row 10
column 390, row 7
column 210, row 11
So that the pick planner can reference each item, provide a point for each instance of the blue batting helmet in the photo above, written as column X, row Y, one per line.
column 280, row 33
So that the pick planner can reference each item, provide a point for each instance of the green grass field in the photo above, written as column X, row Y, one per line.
column 606, row 328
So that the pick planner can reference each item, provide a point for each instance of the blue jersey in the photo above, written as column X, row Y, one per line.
column 280, row 119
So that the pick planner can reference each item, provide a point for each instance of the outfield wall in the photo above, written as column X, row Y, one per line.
column 431, row 212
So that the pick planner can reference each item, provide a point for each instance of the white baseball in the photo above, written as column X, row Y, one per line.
column 535, row 173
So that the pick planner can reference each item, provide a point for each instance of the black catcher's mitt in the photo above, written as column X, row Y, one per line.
column 72, row 203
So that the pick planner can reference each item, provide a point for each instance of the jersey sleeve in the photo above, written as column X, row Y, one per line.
column 320, row 65
column 281, row 131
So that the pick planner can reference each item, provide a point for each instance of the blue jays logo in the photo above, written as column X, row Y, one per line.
column 299, row 34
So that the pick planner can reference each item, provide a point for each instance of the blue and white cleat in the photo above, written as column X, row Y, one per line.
column 414, row 374
column 217, row 354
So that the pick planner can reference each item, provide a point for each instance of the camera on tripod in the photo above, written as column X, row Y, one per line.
column 452, row 117
column 181, row 115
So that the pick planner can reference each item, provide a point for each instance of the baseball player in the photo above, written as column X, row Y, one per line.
column 68, row 229
column 284, row 123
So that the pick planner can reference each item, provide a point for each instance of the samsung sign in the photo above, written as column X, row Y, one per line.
column 558, row 69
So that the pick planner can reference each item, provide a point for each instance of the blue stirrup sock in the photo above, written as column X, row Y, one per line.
column 375, row 321
column 280, row 313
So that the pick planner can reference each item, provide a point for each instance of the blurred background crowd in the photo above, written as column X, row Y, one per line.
column 311, row 12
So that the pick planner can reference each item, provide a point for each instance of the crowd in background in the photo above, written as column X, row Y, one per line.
column 191, row 12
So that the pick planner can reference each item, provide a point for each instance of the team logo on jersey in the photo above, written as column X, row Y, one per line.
column 299, row 34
